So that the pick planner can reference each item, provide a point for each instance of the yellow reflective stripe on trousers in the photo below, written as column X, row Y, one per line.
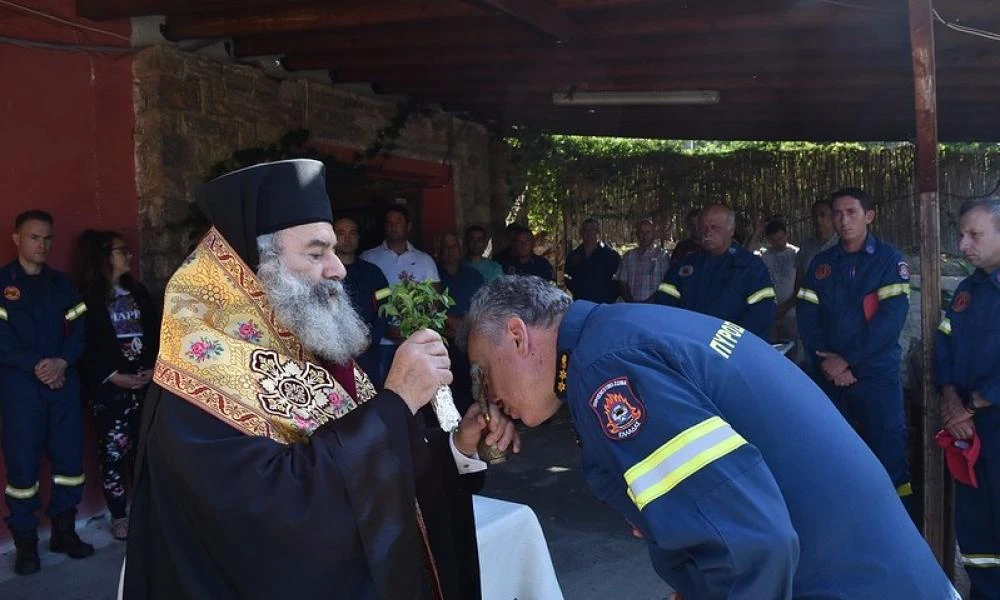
column 904, row 490
column 21, row 493
column 891, row 291
column 984, row 561
column 3, row 313
column 762, row 294
column 76, row 311
column 808, row 295
column 945, row 326
column 679, row 458
column 67, row 481
column 670, row 290
column 382, row 294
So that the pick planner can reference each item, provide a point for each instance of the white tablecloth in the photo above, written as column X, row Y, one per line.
column 514, row 560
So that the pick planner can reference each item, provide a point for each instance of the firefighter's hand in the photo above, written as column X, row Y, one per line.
column 48, row 370
column 952, row 411
column 963, row 430
column 845, row 379
column 832, row 364
column 674, row 596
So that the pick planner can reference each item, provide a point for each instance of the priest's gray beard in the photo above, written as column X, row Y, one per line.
column 320, row 315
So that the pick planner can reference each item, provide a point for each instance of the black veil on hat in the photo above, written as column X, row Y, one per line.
column 263, row 199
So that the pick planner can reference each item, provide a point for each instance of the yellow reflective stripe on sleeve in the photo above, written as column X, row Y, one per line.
column 904, row 490
column 76, row 311
column 3, row 313
column 670, row 290
column 67, row 481
column 763, row 294
column 382, row 294
column 21, row 493
column 808, row 295
column 981, row 560
column 683, row 456
column 945, row 326
column 891, row 291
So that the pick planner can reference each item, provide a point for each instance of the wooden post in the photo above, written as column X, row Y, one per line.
column 938, row 513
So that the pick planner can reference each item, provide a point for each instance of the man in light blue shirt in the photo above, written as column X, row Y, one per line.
column 475, row 249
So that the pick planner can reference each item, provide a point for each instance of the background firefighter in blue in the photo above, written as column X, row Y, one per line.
column 41, row 339
column 967, row 371
column 744, row 480
column 851, row 310
column 722, row 279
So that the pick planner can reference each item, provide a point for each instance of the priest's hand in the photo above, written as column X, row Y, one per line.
column 499, row 432
column 420, row 367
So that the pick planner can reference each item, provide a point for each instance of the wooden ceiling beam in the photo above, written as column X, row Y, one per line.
column 116, row 9
column 693, row 56
column 540, row 15
column 471, row 31
column 313, row 18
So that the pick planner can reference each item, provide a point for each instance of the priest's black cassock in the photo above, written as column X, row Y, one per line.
column 220, row 514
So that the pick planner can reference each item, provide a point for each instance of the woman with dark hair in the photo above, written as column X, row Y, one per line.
column 122, row 336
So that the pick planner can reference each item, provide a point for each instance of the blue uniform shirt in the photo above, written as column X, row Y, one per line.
column 735, row 286
column 39, row 318
column 967, row 348
column 366, row 285
column 855, row 305
column 744, row 479
column 593, row 277
column 539, row 266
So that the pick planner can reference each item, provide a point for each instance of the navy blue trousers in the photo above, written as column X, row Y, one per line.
column 38, row 422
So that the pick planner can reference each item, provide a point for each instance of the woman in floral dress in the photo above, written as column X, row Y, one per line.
column 122, row 335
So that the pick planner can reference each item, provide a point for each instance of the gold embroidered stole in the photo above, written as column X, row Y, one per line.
column 223, row 350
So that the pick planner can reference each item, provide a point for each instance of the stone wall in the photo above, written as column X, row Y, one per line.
column 191, row 112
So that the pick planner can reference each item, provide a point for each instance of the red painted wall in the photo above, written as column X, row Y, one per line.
column 66, row 146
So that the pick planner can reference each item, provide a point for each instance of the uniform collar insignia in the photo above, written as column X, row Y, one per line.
column 870, row 244
column 562, row 375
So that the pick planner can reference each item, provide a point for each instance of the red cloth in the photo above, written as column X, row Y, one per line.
column 961, row 456
column 344, row 374
column 870, row 305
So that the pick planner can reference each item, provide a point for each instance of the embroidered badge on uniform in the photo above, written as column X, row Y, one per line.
column 904, row 270
column 823, row 271
column 961, row 301
column 618, row 409
column 12, row 293
column 686, row 271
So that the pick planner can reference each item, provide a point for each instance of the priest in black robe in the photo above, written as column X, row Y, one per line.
column 268, row 465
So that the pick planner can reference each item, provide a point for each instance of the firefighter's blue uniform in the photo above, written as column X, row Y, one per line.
column 40, row 317
column 742, row 477
column 967, row 355
column 735, row 286
column 367, row 286
column 855, row 305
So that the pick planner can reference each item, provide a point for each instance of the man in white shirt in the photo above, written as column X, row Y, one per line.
column 779, row 256
column 399, row 261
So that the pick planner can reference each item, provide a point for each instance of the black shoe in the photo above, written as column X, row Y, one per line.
column 27, row 561
column 64, row 538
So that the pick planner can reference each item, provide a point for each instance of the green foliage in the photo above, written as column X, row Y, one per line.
column 417, row 305
column 550, row 171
